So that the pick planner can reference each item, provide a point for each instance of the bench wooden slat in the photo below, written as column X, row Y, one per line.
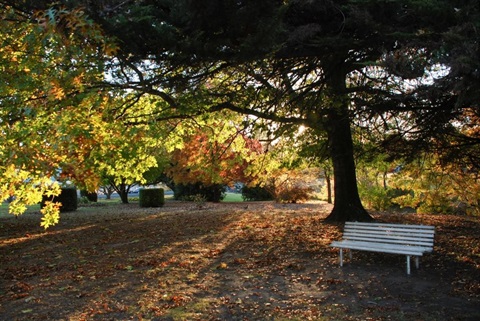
column 394, row 225
column 393, row 230
column 390, row 231
column 395, row 240
column 378, row 247
column 409, row 240
column 373, row 236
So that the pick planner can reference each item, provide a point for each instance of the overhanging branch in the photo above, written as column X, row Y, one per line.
column 253, row 112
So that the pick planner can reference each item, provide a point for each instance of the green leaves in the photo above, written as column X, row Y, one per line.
column 49, row 63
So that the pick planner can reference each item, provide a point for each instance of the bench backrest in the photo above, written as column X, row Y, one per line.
column 414, row 235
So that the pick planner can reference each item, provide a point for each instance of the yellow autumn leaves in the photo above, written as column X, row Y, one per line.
column 49, row 112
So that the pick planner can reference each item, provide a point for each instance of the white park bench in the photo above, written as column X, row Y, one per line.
column 409, row 240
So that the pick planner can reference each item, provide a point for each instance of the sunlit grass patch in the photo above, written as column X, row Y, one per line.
column 31, row 209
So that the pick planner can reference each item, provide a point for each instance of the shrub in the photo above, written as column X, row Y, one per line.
column 256, row 193
column 83, row 200
column 151, row 197
column 292, row 185
column 375, row 197
column 294, row 194
column 192, row 191
column 91, row 196
column 430, row 202
column 68, row 200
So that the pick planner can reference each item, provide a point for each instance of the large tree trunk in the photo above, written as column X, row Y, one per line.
column 347, row 205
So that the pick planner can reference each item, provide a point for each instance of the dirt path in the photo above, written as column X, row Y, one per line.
column 231, row 261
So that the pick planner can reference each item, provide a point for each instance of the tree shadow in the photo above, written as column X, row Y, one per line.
column 224, row 263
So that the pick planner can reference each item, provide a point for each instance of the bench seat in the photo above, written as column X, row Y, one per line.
column 409, row 240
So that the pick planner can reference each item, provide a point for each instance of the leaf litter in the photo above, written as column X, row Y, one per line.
column 228, row 261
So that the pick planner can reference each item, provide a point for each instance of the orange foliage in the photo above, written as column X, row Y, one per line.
column 208, row 160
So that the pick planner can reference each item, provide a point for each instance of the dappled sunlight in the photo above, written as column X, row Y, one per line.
column 230, row 262
column 36, row 236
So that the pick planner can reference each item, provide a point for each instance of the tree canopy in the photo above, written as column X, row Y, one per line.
column 320, row 64
column 50, row 107
column 409, row 66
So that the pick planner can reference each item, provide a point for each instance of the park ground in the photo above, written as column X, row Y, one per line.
column 227, row 261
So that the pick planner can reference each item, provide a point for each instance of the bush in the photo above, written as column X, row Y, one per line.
column 151, row 197
column 294, row 194
column 91, row 196
column 375, row 197
column 292, row 185
column 256, row 193
column 68, row 200
column 191, row 192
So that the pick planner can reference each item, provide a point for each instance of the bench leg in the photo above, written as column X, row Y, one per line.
column 417, row 261
column 408, row 264
column 341, row 257
column 350, row 253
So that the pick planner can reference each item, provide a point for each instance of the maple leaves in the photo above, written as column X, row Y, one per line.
column 213, row 154
column 49, row 109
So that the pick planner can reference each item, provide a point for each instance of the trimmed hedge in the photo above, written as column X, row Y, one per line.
column 151, row 197
column 68, row 199
column 194, row 191
column 91, row 196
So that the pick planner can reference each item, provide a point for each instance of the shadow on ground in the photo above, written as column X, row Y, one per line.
column 245, row 261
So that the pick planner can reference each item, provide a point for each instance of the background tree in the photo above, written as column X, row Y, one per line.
column 430, row 186
column 316, row 63
column 106, row 189
column 129, row 147
column 308, row 62
column 216, row 154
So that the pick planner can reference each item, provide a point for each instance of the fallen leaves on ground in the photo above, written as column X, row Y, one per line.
column 264, row 261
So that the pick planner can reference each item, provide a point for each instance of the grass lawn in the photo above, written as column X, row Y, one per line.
column 4, row 209
column 233, row 197
column 229, row 198
column 36, row 208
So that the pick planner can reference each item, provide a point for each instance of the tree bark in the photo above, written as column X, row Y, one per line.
column 123, row 196
column 347, row 205
column 329, row 186
column 122, row 191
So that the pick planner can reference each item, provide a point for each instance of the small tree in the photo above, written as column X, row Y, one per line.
column 212, row 156
column 107, row 190
column 129, row 148
column 49, row 108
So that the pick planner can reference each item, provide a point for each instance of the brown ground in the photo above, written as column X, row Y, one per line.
column 237, row 261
